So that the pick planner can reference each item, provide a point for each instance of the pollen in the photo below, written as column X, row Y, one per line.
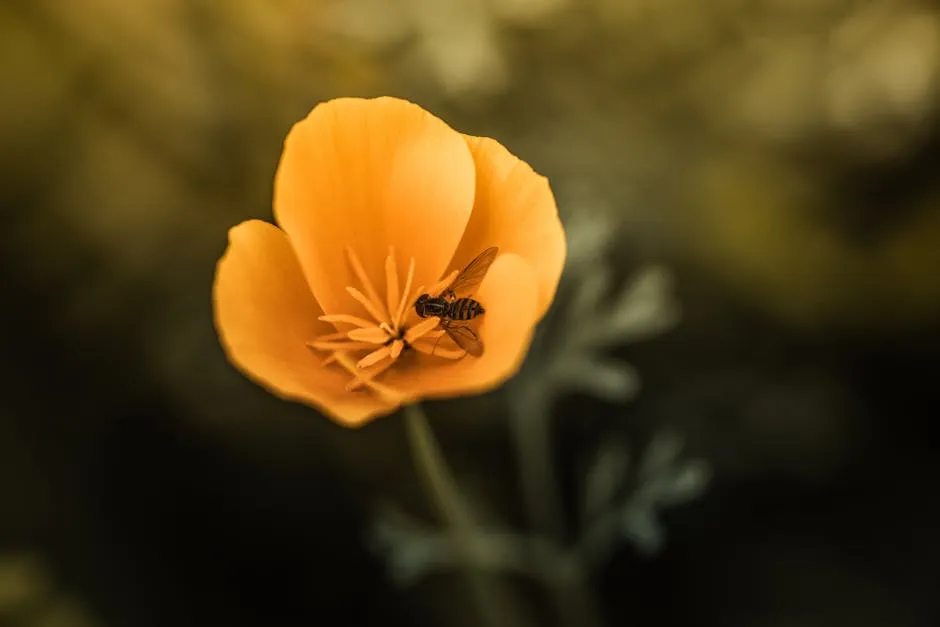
column 366, row 347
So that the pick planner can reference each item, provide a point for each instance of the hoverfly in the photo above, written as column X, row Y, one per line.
column 454, row 305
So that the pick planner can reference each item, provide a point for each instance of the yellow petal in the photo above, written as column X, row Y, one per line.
column 515, row 210
column 265, row 315
column 371, row 174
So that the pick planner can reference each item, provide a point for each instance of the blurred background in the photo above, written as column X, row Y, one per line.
column 779, row 157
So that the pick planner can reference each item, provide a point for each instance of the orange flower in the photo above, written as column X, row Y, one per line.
column 375, row 199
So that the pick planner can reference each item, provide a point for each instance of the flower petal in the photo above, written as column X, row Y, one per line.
column 370, row 174
column 265, row 314
column 510, row 295
column 515, row 210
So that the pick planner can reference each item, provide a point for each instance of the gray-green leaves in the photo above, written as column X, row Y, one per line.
column 588, row 319
column 623, row 503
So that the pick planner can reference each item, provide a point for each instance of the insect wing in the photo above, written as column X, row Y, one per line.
column 465, row 337
column 471, row 276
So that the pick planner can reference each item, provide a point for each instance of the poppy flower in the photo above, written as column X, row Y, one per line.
column 378, row 202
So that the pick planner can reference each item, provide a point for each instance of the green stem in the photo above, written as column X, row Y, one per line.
column 443, row 490
column 532, row 435
column 571, row 586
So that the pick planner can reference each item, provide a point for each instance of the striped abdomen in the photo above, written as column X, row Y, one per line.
column 464, row 309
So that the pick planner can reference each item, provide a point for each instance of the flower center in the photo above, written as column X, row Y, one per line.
column 380, row 341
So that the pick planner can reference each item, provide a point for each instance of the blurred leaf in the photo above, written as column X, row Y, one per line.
column 607, row 379
column 640, row 527
column 589, row 291
column 687, row 483
column 642, row 309
column 409, row 547
column 660, row 455
column 605, row 477
column 661, row 479
column 567, row 353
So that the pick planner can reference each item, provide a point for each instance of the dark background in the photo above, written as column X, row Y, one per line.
column 781, row 159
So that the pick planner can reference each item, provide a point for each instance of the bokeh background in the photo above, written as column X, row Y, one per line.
column 781, row 158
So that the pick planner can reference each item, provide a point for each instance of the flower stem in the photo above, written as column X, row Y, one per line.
column 532, row 434
column 569, row 580
column 442, row 488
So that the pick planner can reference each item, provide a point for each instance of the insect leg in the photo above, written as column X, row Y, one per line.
column 434, row 348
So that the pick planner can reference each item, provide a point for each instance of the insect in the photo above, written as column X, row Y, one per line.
column 454, row 306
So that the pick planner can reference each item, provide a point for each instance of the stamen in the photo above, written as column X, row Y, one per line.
column 326, row 361
column 420, row 329
column 354, row 320
column 366, row 283
column 371, row 308
column 322, row 345
column 329, row 337
column 374, row 357
column 389, row 395
column 385, row 339
column 405, row 299
column 373, row 335
column 336, row 341
column 391, row 283
column 367, row 377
